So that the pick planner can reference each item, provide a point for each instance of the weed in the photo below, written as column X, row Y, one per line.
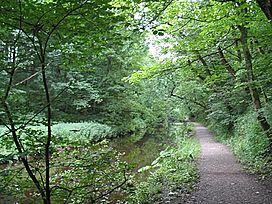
column 250, row 143
column 175, row 167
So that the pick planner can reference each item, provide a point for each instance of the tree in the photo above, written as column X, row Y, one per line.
column 34, row 30
column 266, row 7
column 219, row 43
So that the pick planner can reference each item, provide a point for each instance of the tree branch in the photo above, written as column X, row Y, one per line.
column 113, row 189
column 59, row 22
column 226, row 63
column 186, row 99
column 204, row 63
column 36, row 114
column 167, row 4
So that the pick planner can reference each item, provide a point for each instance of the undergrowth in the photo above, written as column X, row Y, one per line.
column 64, row 134
column 174, row 169
column 163, row 161
column 249, row 143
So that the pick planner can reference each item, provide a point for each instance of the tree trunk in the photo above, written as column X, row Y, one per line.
column 224, row 62
column 255, row 94
column 239, row 54
column 49, row 130
column 13, row 130
column 204, row 63
column 266, row 6
column 21, row 151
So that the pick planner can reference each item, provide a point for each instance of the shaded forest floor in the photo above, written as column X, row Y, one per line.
column 222, row 178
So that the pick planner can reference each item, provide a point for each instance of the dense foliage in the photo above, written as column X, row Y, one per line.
column 74, row 73
column 220, row 52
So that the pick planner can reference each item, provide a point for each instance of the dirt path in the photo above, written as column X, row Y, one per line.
column 222, row 179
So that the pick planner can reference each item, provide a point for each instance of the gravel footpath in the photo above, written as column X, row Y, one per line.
column 222, row 179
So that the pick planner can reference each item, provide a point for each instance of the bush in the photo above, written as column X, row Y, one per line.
column 174, row 168
column 250, row 143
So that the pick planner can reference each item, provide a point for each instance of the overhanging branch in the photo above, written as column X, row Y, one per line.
column 186, row 99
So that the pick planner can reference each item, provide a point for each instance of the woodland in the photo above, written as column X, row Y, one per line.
column 96, row 95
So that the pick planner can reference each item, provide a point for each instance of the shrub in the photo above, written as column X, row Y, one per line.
column 173, row 168
column 250, row 143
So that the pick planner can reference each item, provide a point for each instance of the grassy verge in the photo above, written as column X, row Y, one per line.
column 249, row 144
column 174, row 171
